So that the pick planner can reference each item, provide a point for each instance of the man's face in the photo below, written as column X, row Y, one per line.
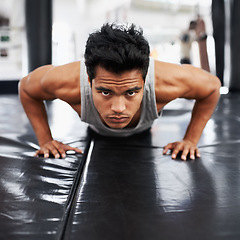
column 118, row 97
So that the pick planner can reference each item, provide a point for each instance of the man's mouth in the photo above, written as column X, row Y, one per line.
column 118, row 119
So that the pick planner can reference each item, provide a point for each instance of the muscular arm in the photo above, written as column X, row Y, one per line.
column 46, row 83
column 188, row 82
column 32, row 95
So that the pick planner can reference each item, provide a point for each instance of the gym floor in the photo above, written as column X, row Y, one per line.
column 120, row 188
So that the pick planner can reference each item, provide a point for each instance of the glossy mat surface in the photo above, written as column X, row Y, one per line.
column 121, row 188
column 36, row 193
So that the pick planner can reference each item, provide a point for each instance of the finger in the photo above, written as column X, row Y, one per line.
column 37, row 153
column 55, row 152
column 188, row 150
column 176, row 150
column 167, row 148
column 185, row 153
column 63, row 149
column 62, row 153
column 192, row 153
column 57, row 149
column 77, row 150
column 46, row 153
column 52, row 150
column 198, row 153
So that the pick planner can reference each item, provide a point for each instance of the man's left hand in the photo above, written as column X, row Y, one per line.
column 184, row 147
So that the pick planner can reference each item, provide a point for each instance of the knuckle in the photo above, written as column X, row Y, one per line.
column 167, row 146
column 55, row 143
column 45, row 150
column 175, row 151
column 61, row 151
column 179, row 147
column 54, row 151
column 186, row 151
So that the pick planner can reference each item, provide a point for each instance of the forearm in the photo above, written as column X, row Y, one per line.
column 202, row 112
column 36, row 113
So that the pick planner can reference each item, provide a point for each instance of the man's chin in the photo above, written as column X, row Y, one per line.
column 117, row 125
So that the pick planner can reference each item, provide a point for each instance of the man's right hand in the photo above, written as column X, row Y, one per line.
column 55, row 148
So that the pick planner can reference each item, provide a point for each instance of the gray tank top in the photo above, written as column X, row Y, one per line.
column 90, row 115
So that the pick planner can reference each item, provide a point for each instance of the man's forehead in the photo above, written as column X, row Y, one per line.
column 102, row 73
column 118, row 82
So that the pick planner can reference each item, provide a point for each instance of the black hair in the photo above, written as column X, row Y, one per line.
column 117, row 48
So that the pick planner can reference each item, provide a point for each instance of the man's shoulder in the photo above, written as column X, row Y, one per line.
column 169, row 81
column 63, row 73
column 165, row 70
column 72, row 67
column 62, row 80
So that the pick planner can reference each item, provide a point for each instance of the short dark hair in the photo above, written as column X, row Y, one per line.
column 117, row 48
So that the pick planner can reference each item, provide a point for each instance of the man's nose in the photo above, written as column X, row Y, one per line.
column 118, row 104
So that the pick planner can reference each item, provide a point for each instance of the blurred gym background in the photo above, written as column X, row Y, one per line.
column 35, row 33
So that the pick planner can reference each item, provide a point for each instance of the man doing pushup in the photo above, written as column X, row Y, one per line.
column 119, row 91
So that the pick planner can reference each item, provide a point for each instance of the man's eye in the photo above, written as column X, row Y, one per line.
column 131, row 93
column 105, row 93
